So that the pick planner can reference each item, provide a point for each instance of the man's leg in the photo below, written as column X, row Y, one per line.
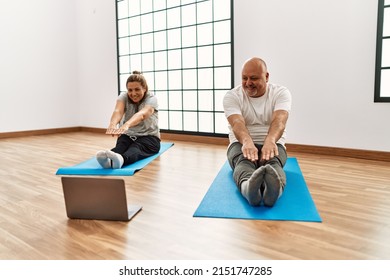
column 247, row 177
column 275, row 177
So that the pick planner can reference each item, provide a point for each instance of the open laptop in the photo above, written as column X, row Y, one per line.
column 97, row 199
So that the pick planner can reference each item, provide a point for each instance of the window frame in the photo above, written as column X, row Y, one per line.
column 378, row 62
column 215, row 112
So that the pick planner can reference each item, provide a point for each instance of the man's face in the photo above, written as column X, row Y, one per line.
column 135, row 91
column 254, row 79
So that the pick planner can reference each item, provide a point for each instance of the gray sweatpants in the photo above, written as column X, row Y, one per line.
column 243, row 168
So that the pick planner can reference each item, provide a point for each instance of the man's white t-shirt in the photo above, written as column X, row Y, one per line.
column 257, row 112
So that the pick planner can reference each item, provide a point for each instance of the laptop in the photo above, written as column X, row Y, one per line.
column 97, row 199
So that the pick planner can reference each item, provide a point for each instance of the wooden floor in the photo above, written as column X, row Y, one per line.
column 351, row 195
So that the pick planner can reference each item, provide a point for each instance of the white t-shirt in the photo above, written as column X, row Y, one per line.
column 257, row 112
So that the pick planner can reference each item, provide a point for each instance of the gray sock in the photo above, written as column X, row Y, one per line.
column 250, row 189
column 116, row 159
column 103, row 160
column 274, row 182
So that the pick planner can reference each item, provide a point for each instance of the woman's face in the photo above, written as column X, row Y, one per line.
column 135, row 91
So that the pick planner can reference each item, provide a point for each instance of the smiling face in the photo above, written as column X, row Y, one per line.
column 135, row 91
column 254, row 77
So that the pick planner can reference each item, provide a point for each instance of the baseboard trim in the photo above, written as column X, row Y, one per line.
column 320, row 150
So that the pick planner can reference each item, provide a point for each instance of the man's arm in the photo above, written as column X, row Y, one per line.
column 239, row 129
column 276, row 129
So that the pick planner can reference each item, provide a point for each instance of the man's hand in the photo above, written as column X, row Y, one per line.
column 250, row 151
column 269, row 151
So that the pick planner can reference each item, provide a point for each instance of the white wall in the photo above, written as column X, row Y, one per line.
column 97, row 58
column 324, row 52
column 38, row 65
column 58, row 65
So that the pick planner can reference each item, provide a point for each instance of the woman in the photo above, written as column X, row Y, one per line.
column 136, row 113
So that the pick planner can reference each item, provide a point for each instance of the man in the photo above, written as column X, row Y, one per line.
column 257, row 113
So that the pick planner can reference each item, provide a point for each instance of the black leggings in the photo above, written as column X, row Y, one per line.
column 136, row 148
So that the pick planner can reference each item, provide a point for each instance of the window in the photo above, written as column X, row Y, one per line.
column 184, row 49
column 382, row 73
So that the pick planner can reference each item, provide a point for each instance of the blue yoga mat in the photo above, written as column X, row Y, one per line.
column 92, row 167
column 223, row 200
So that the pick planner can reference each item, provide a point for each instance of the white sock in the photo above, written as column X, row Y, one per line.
column 116, row 159
column 103, row 160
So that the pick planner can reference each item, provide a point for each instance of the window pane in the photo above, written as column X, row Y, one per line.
column 147, row 42
column 161, row 80
column 134, row 7
column 175, row 120
column 386, row 53
column 159, row 4
column 189, row 36
column 122, row 83
column 222, row 55
column 175, row 100
column 205, row 56
column 221, row 9
column 205, row 78
column 135, row 44
column 190, row 121
column 190, row 100
column 160, row 40
column 174, row 39
column 160, row 20
column 123, row 44
column 206, row 100
column 163, row 119
column 189, row 79
column 173, row 16
column 205, row 34
column 174, row 59
column 189, row 58
column 146, row 23
column 124, row 64
column 147, row 62
column 206, row 122
column 173, row 3
column 188, row 15
column 174, row 79
column 222, row 78
column 122, row 9
column 150, row 80
column 221, row 124
column 123, row 28
column 160, row 61
column 222, row 32
column 204, row 12
column 146, row 6
column 162, row 98
column 219, row 94
column 386, row 22
column 385, row 83
column 135, row 26
column 135, row 63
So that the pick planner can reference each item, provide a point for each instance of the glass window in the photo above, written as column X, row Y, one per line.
column 184, row 49
column 382, row 69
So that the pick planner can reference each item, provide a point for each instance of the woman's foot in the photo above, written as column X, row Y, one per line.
column 116, row 159
column 103, row 160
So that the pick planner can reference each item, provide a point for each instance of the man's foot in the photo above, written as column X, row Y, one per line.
column 116, row 159
column 103, row 160
column 250, row 189
column 274, row 184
